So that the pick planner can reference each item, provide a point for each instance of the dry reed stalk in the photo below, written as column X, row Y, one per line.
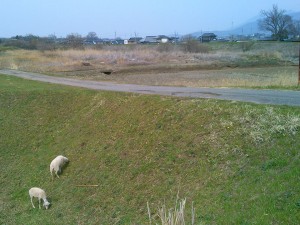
column 173, row 216
column 149, row 213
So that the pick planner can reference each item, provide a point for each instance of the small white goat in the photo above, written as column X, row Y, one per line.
column 40, row 194
column 57, row 164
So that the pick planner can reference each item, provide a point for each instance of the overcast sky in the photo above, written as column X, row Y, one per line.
column 126, row 18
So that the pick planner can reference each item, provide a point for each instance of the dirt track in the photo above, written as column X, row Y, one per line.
column 274, row 97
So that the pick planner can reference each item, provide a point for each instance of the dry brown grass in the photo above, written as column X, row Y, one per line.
column 69, row 60
column 225, row 66
column 115, row 58
column 236, row 77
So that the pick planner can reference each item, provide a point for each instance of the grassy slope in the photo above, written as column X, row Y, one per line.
column 233, row 160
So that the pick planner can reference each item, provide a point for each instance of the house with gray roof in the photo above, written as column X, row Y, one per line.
column 134, row 40
column 207, row 37
column 150, row 40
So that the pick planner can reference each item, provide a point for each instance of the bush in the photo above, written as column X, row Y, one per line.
column 194, row 46
column 75, row 41
column 247, row 46
column 31, row 42
column 45, row 46
column 165, row 47
column 24, row 44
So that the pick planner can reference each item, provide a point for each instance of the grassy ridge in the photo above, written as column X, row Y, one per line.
column 238, row 163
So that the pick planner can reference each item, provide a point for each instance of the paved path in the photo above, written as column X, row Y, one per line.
column 274, row 97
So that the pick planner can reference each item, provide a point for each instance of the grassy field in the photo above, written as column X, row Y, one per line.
column 235, row 163
column 229, row 64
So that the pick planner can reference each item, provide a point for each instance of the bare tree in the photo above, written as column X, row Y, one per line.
column 74, row 40
column 296, row 29
column 277, row 22
column 92, row 37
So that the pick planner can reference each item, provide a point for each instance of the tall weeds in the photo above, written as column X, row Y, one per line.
column 173, row 216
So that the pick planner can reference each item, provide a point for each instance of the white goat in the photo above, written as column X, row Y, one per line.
column 40, row 194
column 57, row 164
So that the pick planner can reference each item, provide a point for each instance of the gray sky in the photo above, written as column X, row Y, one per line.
column 126, row 18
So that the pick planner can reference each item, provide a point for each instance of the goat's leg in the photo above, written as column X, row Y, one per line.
column 51, row 174
column 32, row 202
column 39, row 203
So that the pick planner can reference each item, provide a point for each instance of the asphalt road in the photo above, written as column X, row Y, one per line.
column 273, row 97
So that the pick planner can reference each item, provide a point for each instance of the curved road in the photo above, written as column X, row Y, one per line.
column 274, row 97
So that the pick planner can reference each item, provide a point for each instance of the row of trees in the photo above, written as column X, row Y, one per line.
column 76, row 41
column 275, row 21
column 51, row 42
column 279, row 23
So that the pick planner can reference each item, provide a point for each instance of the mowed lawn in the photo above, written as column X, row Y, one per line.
column 236, row 163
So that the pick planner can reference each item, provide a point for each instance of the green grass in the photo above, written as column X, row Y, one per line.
column 6, row 48
column 238, row 162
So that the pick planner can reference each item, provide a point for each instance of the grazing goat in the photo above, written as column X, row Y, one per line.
column 57, row 164
column 40, row 194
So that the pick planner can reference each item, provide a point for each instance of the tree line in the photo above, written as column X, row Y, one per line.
column 275, row 21
column 32, row 42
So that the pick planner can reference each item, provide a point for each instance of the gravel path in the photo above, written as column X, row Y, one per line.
column 274, row 97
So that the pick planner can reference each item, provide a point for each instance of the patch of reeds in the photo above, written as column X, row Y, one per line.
column 173, row 216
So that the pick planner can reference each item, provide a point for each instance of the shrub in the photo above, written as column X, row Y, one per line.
column 247, row 46
column 194, row 46
column 74, row 40
column 165, row 47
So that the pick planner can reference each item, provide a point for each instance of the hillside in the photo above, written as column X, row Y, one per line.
column 238, row 163
column 249, row 27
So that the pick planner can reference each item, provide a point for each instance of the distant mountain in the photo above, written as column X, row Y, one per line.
column 248, row 28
